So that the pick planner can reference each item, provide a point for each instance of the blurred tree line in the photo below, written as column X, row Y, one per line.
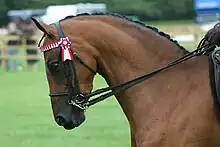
column 144, row 9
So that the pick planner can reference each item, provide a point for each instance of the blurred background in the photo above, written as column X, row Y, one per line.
column 26, row 117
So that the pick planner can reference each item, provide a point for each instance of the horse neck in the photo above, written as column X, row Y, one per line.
column 126, row 55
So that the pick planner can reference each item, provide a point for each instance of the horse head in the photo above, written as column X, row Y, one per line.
column 70, row 69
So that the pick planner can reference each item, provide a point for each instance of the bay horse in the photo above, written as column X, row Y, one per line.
column 173, row 108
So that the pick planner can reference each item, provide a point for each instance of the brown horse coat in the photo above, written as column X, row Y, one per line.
column 172, row 109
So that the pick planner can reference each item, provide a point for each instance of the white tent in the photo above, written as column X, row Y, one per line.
column 56, row 12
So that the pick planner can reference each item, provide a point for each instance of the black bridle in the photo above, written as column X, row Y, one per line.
column 75, row 97
column 80, row 100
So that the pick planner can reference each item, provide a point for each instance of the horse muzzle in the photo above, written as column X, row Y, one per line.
column 69, row 122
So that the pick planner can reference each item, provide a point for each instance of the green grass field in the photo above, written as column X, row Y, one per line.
column 26, row 117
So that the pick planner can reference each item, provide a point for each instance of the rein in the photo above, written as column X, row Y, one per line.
column 203, row 49
column 80, row 100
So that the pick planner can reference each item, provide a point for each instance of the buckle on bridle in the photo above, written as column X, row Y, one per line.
column 79, row 103
column 80, row 98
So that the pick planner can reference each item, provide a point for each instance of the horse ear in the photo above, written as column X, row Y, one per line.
column 47, row 29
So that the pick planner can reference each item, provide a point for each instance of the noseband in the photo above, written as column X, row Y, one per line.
column 80, row 100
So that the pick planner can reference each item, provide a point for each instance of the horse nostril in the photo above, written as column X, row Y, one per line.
column 60, row 120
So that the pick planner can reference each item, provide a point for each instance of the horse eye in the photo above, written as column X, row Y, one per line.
column 54, row 66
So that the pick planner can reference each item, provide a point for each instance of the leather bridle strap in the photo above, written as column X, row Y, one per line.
column 83, row 63
column 70, row 71
column 59, row 30
column 61, row 35
column 75, row 97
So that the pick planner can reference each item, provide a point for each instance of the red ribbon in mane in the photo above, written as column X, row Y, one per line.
column 64, row 44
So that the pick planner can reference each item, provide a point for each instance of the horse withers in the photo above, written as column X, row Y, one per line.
column 173, row 108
